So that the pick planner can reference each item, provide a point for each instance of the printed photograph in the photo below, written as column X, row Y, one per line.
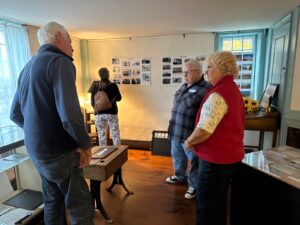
column 145, row 68
column 200, row 58
column 135, row 81
column 126, row 81
column 115, row 61
column 177, row 61
column 248, row 57
column 116, row 69
column 116, row 81
column 166, row 59
column 247, row 76
column 136, row 72
column 177, row 80
column 245, row 93
column 146, row 77
column 126, row 72
column 245, row 85
column 166, row 74
column 177, row 70
column 126, row 63
column 145, row 61
column 166, row 81
column 167, row 67
column 136, row 63
column 238, row 57
column 247, row 67
column 117, row 75
column 186, row 59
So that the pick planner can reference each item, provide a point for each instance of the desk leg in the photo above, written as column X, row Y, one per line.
column 118, row 179
column 95, row 187
column 274, row 138
column 261, row 140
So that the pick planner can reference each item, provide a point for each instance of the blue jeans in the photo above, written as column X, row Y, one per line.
column 180, row 157
column 64, row 187
column 211, row 194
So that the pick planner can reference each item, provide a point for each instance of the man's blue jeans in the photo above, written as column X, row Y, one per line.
column 64, row 187
column 180, row 157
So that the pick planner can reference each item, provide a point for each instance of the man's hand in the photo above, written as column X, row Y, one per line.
column 85, row 157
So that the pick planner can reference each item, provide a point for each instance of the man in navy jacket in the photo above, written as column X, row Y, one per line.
column 46, row 106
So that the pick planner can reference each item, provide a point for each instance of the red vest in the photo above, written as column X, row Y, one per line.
column 225, row 145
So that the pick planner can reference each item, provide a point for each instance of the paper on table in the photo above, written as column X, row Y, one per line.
column 13, row 216
column 6, row 187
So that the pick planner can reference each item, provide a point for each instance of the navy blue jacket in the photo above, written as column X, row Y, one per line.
column 185, row 106
column 46, row 105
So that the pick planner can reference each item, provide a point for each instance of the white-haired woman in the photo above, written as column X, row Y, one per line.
column 218, row 138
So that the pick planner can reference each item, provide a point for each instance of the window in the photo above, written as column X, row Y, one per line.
column 13, row 57
column 246, row 46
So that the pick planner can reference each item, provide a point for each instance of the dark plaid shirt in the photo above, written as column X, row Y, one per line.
column 185, row 106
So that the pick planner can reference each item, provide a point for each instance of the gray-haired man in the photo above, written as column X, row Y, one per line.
column 185, row 105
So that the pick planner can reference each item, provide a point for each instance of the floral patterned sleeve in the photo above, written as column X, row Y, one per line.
column 213, row 111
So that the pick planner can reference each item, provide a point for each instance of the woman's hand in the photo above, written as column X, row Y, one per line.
column 188, row 146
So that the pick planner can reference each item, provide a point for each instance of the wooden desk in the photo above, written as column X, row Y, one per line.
column 261, row 121
column 36, row 217
column 266, row 188
column 101, row 169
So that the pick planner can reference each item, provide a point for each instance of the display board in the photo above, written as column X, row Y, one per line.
column 131, row 71
column 172, row 68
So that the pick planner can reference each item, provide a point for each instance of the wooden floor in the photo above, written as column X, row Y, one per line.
column 154, row 202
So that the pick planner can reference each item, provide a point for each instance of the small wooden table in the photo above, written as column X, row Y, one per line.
column 101, row 169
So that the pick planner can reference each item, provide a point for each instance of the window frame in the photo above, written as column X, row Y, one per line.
column 259, row 80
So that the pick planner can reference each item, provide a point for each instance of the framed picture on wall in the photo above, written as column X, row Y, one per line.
column 268, row 96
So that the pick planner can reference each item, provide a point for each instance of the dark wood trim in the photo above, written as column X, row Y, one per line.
column 11, row 146
column 135, row 144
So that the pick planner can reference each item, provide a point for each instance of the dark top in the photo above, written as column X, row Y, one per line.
column 113, row 94
column 46, row 105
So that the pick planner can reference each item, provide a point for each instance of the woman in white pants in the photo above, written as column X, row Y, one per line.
column 107, row 118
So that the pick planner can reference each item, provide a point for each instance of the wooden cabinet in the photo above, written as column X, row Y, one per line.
column 261, row 121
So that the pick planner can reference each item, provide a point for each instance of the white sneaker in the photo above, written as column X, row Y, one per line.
column 190, row 193
column 174, row 180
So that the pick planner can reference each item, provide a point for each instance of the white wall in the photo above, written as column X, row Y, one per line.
column 33, row 41
column 146, row 108
column 77, row 62
column 295, row 99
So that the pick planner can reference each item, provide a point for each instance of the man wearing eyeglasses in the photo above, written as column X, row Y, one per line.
column 185, row 105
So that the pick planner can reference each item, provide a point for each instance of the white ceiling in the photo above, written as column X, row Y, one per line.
column 99, row 19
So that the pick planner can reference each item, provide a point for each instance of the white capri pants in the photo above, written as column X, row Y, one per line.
column 102, row 121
